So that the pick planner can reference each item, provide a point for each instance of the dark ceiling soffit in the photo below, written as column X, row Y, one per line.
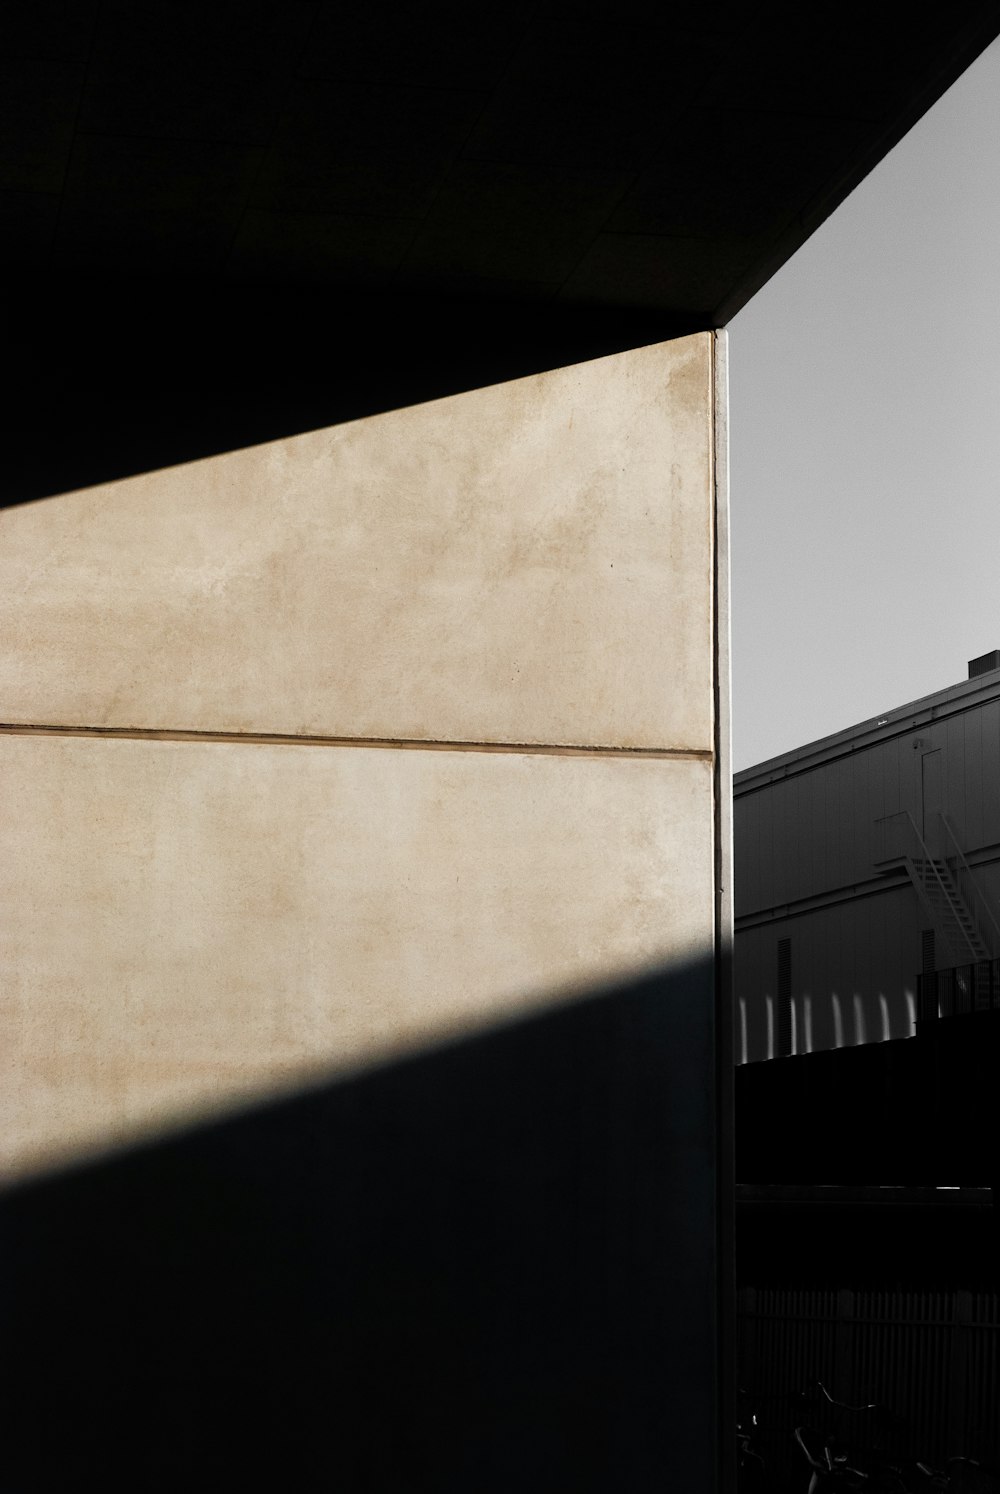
column 965, row 47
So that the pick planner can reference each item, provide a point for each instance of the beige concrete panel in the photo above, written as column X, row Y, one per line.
column 528, row 563
column 189, row 924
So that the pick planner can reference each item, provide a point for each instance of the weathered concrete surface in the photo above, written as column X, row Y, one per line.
column 529, row 563
column 189, row 924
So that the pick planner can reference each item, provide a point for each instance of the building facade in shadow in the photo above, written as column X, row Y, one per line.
column 868, row 876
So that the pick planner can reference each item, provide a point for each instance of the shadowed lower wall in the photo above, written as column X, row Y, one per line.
column 487, row 1267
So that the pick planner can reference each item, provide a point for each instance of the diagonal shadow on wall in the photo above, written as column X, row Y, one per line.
column 109, row 377
column 491, row 1266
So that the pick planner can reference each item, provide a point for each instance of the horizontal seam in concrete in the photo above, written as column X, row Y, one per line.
column 279, row 739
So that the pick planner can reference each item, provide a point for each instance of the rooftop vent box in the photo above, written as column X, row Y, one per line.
column 984, row 663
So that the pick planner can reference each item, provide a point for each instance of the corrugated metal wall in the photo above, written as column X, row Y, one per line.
column 846, row 961
column 813, row 835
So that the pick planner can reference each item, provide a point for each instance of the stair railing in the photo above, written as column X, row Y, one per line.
column 986, row 924
column 926, row 878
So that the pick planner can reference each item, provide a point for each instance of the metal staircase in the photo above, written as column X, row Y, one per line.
column 955, row 907
column 953, row 919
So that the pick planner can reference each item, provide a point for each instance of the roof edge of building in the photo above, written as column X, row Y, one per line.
column 894, row 722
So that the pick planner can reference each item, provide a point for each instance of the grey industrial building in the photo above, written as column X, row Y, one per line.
column 867, row 875
column 867, row 895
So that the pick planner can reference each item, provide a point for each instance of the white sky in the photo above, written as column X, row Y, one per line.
column 865, row 442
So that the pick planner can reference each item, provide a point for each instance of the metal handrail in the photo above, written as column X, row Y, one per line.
column 989, row 931
column 950, row 936
column 922, row 881
column 959, row 990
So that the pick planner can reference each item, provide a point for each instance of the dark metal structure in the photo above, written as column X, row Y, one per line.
column 867, row 1238
column 867, row 868
column 867, row 898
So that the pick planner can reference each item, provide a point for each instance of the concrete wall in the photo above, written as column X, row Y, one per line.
column 324, row 749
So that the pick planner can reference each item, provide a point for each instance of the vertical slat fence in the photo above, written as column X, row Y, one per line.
column 932, row 1358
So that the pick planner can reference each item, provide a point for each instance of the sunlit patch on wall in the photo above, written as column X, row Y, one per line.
column 321, row 751
column 838, row 1021
column 860, row 1022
